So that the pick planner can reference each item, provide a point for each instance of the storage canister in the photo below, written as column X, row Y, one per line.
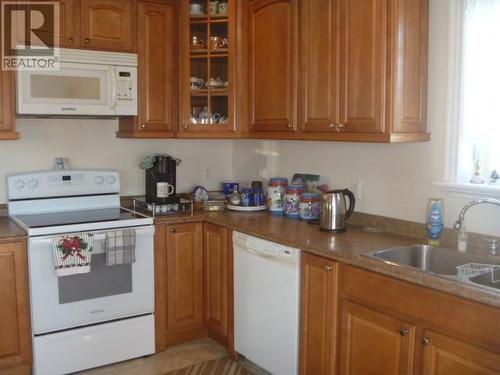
column 309, row 207
column 292, row 200
column 246, row 196
column 275, row 194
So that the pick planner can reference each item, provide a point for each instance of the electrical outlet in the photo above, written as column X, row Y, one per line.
column 207, row 174
column 356, row 189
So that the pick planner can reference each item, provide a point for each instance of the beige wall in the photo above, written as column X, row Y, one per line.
column 397, row 180
column 92, row 144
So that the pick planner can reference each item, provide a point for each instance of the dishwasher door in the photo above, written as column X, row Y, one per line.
column 266, row 303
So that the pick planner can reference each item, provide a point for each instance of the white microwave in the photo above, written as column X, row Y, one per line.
column 88, row 83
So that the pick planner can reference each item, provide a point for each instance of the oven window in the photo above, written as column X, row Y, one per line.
column 101, row 281
column 65, row 87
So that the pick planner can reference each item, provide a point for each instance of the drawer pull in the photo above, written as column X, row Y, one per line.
column 70, row 40
column 328, row 268
column 86, row 41
column 173, row 230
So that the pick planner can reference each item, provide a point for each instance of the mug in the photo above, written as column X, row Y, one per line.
column 197, row 42
column 195, row 8
column 164, row 189
column 229, row 187
column 213, row 6
column 222, row 8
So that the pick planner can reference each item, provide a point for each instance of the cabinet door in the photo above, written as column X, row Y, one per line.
column 7, row 106
column 374, row 343
column 157, row 53
column 108, row 24
column 15, row 342
column 446, row 356
column 216, row 282
column 318, row 315
column 184, row 279
column 319, row 49
column 363, row 65
column 273, row 75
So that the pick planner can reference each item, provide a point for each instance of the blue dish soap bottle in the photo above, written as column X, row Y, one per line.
column 435, row 220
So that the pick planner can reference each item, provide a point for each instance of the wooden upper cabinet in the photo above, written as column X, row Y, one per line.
column 7, row 97
column 272, row 65
column 184, row 247
column 216, row 255
column 15, row 344
column 374, row 343
column 319, row 47
column 109, row 24
column 363, row 66
column 157, row 51
column 446, row 356
column 69, row 25
column 319, row 280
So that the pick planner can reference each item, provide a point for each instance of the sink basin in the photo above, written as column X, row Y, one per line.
column 427, row 258
column 490, row 279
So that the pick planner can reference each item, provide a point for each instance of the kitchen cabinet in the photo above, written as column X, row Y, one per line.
column 7, row 112
column 272, row 30
column 108, row 24
column 318, row 322
column 446, row 356
column 178, row 284
column 399, row 327
column 217, row 268
column 208, row 70
column 15, row 344
column 157, row 52
column 371, row 340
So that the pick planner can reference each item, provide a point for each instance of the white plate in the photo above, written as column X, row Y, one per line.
column 246, row 208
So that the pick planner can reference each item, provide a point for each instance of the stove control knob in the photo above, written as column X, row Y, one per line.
column 19, row 184
column 33, row 183
column 111, row 179
column 99, row 180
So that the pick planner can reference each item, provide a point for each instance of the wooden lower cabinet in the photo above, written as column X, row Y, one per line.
column 446, row 356
column 179, row 284
column 318, row 315
column 218, row 300
column 374, row 343
column 15, row 331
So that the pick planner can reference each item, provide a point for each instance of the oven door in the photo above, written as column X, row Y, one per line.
column 103, row 294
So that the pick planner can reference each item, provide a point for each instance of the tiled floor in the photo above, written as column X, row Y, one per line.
column 174, row 358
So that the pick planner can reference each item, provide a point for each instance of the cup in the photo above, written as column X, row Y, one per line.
column 195, row 8
column 213, row 7
column 223, row 8
column 197, row 42
column 196, row 83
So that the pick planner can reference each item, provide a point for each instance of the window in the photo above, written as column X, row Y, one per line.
column 479, row 108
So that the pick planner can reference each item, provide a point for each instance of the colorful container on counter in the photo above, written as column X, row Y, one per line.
column 229, row 187
column 246, row 197
column 258, row 197
column 292, row 200
column 309, row 206
column 275, row 194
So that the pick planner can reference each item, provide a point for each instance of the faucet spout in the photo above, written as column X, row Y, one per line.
column 458, row 224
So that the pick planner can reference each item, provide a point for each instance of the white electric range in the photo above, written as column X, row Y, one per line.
column 92, row 319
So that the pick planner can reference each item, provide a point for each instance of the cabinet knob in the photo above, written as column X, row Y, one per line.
column 70, row 40
column 328, row 268
column 185, row 126
column 86, row 41
column 332, row 125
column 143, row 126
column 173, row 230
column 426, row 340
column 290, row 125
column 404, row 332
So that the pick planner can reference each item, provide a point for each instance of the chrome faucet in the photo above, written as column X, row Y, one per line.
column 461, row 216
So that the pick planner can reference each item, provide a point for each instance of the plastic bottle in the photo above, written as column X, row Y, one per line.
column 435, row 220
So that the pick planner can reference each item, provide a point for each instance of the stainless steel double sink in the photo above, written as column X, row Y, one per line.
column 440, row 261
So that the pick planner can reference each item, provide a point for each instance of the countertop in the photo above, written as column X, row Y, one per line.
column 346, row 247
column 9, row 230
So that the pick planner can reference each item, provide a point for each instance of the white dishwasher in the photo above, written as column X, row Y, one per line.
column 266, row 303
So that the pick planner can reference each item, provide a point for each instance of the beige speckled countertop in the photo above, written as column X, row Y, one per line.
column 346, row 247
column 9, row 230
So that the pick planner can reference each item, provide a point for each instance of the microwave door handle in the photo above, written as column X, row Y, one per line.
column 112, row 74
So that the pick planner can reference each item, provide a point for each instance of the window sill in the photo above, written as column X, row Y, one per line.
column 470, row 190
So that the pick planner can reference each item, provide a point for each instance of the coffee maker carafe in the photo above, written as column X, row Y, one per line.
column 161, row 180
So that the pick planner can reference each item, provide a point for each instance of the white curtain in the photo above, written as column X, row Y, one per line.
column 480, row 117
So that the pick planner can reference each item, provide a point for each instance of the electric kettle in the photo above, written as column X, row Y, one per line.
column 334, row 211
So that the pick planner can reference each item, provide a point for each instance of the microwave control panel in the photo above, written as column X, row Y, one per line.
column 124, row 90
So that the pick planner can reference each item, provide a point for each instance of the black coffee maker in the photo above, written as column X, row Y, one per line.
column 161, row 180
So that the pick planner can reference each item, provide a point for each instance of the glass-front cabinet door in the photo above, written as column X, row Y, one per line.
column 208, row 71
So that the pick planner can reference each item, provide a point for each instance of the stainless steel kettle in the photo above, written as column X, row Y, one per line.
column 334, row 210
